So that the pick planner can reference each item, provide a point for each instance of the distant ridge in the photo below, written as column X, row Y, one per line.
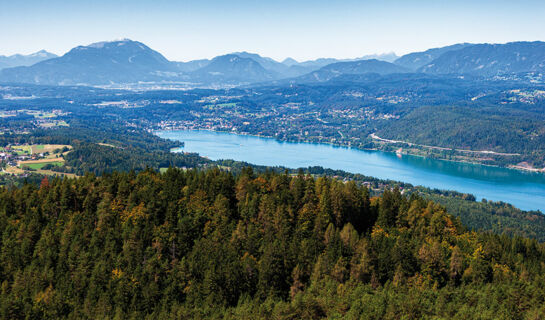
column 490, row 59
column 388, row 57
column 131, row 62
column 416, row 60
column 17, row 60
column 359, row 67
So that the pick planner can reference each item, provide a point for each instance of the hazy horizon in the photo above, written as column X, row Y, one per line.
column 304, row 30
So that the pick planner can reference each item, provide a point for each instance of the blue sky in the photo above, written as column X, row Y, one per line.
column 185, row 30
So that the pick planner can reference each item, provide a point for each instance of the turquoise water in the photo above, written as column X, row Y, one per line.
column 523, row 189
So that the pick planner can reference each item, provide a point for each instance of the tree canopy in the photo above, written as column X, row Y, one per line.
column 210, row 244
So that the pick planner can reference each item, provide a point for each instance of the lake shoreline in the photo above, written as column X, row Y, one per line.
column 511, row 166
column 523, row 189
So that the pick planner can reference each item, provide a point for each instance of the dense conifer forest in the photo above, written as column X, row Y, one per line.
column 212, row 244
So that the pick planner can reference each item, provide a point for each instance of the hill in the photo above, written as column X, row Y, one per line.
column 265, row 62
column 288, row 68
column 233, row 69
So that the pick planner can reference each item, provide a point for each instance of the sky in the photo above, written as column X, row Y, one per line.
column 305, row 29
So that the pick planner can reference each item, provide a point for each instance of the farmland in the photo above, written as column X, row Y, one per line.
column 37, row 158
column 34, row 149
column 38, row 164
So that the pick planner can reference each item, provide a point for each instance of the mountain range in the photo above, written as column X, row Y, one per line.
column 357, row 67
column 490, row 59
column 416, row 60
column 100, row 63
column 17, row 60
column 128, row 62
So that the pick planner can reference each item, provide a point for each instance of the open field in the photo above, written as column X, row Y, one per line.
column 53, row 123
column 55, row 173
column 37, row 114
column 14, row 170
column 41, row 114
column 36, row 148
column 38, row 164
column 40, row 148
column 20, row 150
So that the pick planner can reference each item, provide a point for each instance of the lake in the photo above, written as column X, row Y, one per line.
column 525, row 190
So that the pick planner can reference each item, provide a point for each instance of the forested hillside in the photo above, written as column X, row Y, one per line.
column 105, row 145
column 514, row 131
column 208, row 244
